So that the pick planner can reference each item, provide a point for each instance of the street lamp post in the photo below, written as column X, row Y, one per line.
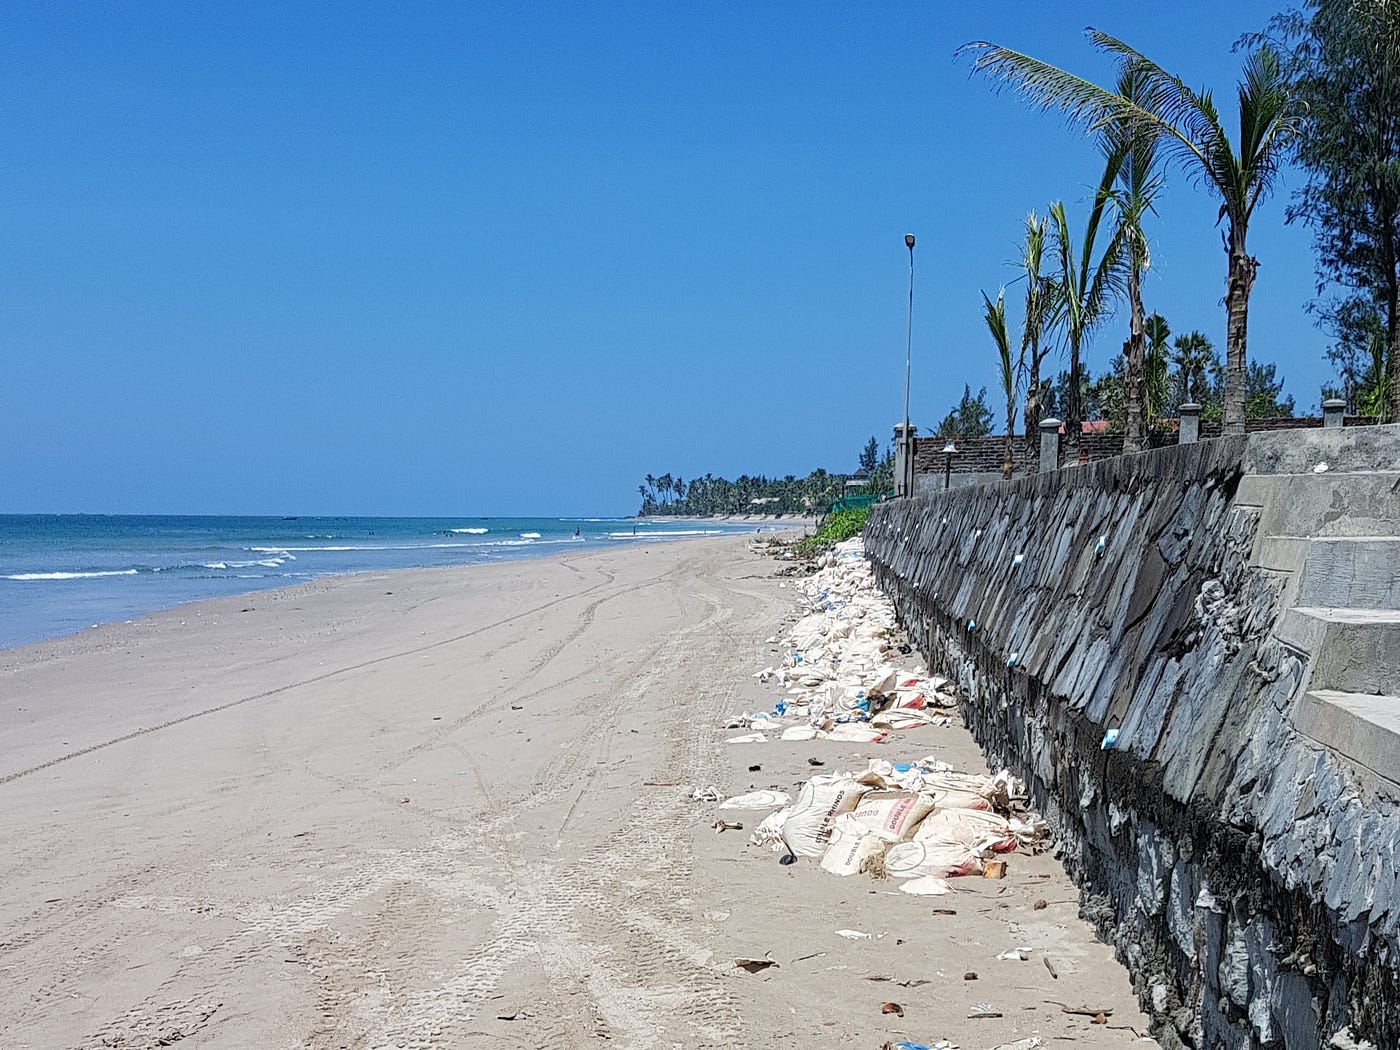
column 908, row 461
column 909, row 331
column 949, row 450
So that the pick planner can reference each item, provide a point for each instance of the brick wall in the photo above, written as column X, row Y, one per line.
column 983, row 455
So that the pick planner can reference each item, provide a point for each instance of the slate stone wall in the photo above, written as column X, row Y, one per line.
column 1246, row 878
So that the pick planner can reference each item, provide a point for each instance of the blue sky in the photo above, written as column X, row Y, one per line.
column 482, row 259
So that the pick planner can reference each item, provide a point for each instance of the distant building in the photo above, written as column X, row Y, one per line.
column 858, row 480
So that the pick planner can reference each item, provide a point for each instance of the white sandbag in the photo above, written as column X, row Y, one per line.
column 943, row 860
column 770, row 829
column 893, row 815
column 978, row 830
column 898, row 718
column 748, row 738
column 925, row 886
column 960, row 800
column 858, row 733
column 851, row 847
column 807, row 829
column 757, row 800
column 802, row 733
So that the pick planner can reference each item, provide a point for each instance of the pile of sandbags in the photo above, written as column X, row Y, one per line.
column 844, row 675
column 846, row 679
column 906, row 820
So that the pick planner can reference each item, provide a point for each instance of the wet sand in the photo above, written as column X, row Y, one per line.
column 447, row 808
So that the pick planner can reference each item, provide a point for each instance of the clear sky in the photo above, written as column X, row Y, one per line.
column 477, row 259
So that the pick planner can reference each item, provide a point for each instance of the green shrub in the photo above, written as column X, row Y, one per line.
column 840, row 525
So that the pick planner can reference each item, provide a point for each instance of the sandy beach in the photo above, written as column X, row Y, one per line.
column 450, row 808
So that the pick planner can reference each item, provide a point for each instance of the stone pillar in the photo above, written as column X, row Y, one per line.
column 1334, row 411
column 1050, row 444
column 904, row 446
column 1190, row 431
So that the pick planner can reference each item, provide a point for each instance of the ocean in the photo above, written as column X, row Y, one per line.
column 62, row 573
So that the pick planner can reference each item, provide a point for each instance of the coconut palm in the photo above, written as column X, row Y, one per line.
column 1156, row 388
column 1139, row 182
column 995, row 316
column 1191, row 135
column 1039, row 303
column 1084, row 289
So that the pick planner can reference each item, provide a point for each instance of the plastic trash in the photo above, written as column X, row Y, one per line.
column 748, row 738
column 1110, row 740
column 853, row 935
column 1321, row 468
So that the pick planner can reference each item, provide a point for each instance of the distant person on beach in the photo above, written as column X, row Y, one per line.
column 576, row 532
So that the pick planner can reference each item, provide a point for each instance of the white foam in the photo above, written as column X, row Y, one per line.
column 26, row 576
column 529, row 535
column 470, row 532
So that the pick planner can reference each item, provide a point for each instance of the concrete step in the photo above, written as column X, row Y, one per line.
column 1342, row 571
column 1300, row 506
column 1348, row 649
column 1363, row 728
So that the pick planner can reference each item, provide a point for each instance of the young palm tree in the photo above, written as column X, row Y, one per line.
column 1084, row 290
column 1190, row 134
column 1155, row 381
column 1039, row 306
column 995, row 316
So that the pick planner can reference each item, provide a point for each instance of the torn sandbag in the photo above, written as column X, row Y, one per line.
column 757, row 800
column 925, row 886
column 770, row 829
column 858, row 733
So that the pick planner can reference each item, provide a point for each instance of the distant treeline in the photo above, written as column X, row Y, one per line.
column 813, row 494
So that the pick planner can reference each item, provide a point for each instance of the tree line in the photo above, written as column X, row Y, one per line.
column 756, row 494
column 814, row 494
column 1321, row 87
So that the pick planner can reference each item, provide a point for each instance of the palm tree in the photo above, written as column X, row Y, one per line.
column 1155, row 386
column 995, row 316
column 1084, row 290
column 1139, row 182
column 1039, row 303
column 1194, row 358
column 1190, row 134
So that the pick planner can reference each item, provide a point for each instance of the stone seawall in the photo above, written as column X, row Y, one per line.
column 1248, row 876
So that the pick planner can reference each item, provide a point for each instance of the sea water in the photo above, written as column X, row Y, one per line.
column 61, row 573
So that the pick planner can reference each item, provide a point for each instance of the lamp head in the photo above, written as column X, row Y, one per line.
column 909, row 241
column 950, row 448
